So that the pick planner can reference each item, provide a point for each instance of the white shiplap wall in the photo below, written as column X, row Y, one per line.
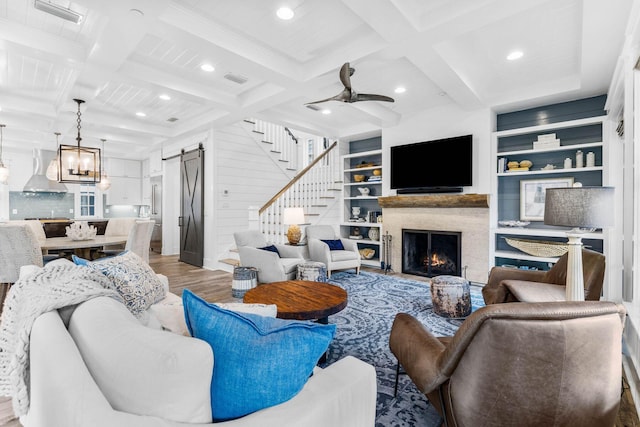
column 243, row 176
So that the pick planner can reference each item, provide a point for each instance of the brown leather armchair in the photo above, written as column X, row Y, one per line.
column 520, row 364
column 502, row 281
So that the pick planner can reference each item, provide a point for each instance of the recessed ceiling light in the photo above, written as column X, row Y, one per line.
column 207, row 67
column 285, row 13
column 516, row 54
column 141, row 114
column 400, row 89
column 326, row 111
column 164, row 97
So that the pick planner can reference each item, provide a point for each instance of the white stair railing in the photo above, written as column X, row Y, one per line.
column 310, row 189
column 281, row 139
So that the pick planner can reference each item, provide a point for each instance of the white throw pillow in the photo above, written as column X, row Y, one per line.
column 170, row 312
column 141, row 370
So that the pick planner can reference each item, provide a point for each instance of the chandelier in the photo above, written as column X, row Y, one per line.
column 4, row 171
column 77, row 164
column 105, row 182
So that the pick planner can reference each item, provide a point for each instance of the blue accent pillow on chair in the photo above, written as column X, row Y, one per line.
column 335, row 245
column 259, row 361
column 271, row 248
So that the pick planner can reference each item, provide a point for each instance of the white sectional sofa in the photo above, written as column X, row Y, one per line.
column 98, row 365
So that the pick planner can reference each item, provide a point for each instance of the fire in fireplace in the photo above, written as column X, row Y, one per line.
column 431, row 253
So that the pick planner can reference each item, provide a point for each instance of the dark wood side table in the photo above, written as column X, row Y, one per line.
column 300, row 299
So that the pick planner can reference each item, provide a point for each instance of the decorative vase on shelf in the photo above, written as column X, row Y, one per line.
column 579, row 159
column 374, row 233
column 364, row 191
column 355, row 211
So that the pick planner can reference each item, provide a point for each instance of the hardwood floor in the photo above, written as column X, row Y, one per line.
column 215, row 286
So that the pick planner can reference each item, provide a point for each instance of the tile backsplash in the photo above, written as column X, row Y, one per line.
column 40, row 205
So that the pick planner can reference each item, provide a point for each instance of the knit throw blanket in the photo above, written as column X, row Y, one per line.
column 54, row 286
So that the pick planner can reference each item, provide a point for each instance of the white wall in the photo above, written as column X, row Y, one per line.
column 243, row 176
column 445, row 122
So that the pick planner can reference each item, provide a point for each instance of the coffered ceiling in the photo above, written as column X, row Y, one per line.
column 125, row 54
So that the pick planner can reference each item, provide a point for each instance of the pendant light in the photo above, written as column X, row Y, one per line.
column 105, row 182
column 77, row 164
column 52, row 170
column 4, row 171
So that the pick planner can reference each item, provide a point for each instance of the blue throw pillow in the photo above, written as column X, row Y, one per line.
column 271, row 248
column 259, row 361
column 334, row 245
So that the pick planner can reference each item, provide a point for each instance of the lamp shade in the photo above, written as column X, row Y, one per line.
column 293, row 216
column 581, row 207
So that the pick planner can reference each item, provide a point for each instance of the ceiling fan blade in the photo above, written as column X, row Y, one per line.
column 372, row 97
column 343, row 96
column 345, row 75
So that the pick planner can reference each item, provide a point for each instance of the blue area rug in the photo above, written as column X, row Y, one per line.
column 363, row 329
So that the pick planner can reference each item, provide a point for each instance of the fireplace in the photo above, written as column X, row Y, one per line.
column 431, row 253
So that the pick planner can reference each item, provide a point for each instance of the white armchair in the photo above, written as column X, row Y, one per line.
column 271, row 266
column 333, row 259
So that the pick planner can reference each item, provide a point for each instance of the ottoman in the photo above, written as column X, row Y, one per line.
column 451, row 296
column 312, row 271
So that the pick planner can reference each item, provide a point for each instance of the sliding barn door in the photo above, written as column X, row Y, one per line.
column 192, row 207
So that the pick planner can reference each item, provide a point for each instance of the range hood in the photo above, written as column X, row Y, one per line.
column 39, row 183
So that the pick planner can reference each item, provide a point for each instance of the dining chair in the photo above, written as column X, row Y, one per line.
column 138, row 240
column 38, row 230
column 18, row 247
column 119, row 227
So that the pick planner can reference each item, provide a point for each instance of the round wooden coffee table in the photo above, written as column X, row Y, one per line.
column 300, row 299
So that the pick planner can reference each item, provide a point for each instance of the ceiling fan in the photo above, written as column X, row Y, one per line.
column 348, row 94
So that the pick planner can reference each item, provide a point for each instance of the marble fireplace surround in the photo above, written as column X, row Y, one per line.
column 465, row 213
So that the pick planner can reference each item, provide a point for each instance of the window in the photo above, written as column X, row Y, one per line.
column 87, row 200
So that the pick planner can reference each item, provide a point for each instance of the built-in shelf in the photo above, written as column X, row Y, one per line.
column 523, row 256
column 584, row 134
column 552, row 171
column 359, row 153
column 570, row 147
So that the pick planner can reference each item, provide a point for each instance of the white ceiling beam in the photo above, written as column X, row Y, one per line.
column 47, row 44
column 230, row 40
column 161, row 78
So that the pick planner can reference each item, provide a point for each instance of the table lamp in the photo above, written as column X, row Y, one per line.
column 584, row 209
column 293, row 217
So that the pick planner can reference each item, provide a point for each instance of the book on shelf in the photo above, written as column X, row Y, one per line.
column 502, row 164
column 372, row 216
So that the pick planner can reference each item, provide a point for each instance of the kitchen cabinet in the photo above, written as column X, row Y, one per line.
column 124, row 168
column 155, row 163
column 125, row 191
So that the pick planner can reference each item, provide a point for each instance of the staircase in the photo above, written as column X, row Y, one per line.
column 278, row 142
column 316, row 188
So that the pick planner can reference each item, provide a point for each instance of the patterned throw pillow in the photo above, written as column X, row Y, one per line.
column 131, row 277
column 335, row 245
column 259, row 361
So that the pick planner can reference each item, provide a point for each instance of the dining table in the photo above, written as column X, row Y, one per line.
column 81, row 248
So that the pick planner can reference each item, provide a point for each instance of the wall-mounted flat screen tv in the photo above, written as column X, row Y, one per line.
column 443, row 165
